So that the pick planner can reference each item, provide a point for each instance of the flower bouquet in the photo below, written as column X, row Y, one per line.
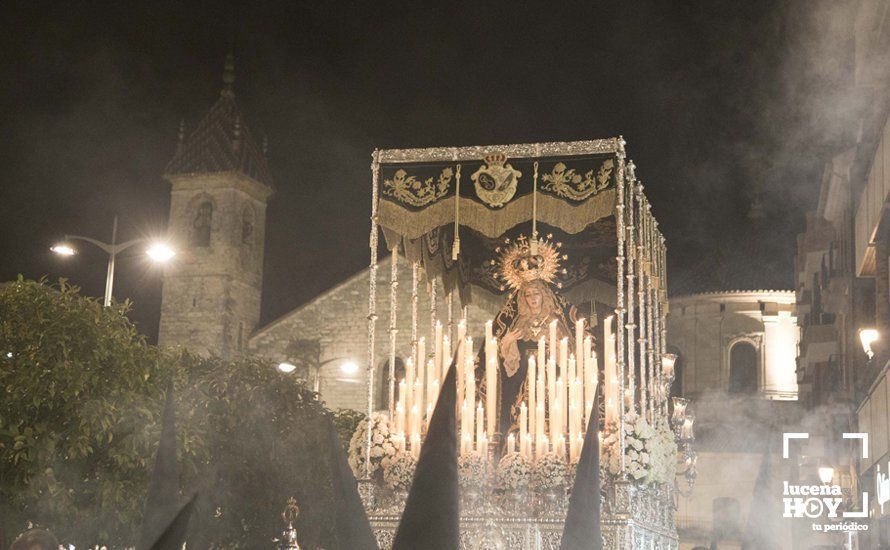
column 383, row 447
column 399, row 471
column 514, row 472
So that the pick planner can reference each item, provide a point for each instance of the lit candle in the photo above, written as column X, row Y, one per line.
column 483, row 448
column 420, row 365
column 523, row 422
column 488, row 331
column 418, row 401
column 431, row 376
column 400, row 411
column 480, row 424
column 561, row 446
column 572, row 439
column 409, row 383
column 686, row 431
column 415, row 445
column 464, row 430
column 579, row 338
column 551, row 391
column 511, row 443
column 437, row 350
column 611, row 374
column 530, row 384
column 542, row 355
column 563, row 356
column 435, row 391
column 414, row 423
column 552, row 344
column 491, row 382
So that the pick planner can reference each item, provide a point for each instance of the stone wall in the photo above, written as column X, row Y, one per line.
column 211, row 294
column 703, row 328
column 337, row 319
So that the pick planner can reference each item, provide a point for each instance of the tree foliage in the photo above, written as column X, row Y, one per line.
column 80, row 423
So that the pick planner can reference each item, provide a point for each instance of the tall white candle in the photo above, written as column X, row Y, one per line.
column 551, row 393
column 542, row 355
column 611, row 375
column 400, row 413
column 531, row 384
column 491, row 388
column 431, row 376
column 563, row 356
column 551, row 345
column 579, row 339
column 437, row 350
column 409, row 383
column 420, row 366
column 511, row 443
column 523, row 422
column 465, row 431
column 415, row 445
column 480, row 424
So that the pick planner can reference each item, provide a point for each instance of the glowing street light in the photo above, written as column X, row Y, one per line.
column 286, row 367
column 349, row 367
column 868, row 336
column 64, row 249
column 160, row 252
column 157, row 252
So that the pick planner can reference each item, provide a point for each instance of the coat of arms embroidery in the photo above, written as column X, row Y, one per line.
column 496, row 181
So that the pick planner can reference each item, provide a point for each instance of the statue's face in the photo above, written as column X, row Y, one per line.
column 534, row 298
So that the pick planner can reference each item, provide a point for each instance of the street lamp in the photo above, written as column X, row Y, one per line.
column 868, row 336
column 348, row 367
column 157, row 251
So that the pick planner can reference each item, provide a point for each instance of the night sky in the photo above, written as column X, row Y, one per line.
column 720, row 102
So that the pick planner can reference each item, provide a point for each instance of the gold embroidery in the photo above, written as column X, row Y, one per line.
column 571, row 185
column 412, row 191
column 496, row 181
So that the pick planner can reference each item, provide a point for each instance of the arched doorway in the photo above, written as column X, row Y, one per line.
column 743, row 367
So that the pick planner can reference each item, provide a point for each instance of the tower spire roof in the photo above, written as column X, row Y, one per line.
column 221, row 142
column 229, row 76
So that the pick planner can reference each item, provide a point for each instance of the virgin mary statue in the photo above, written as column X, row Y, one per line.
column 524, row 319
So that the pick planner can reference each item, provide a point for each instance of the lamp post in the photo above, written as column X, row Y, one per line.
column 348, row 367
column 158, row 252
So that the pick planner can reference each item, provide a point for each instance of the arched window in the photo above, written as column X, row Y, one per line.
column 247, row 225
column 383, row 390
column 743, row 368
column 200, row 230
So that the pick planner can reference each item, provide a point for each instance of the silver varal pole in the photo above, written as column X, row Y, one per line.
column 372, row 306
column 393, row 327
column 619, row 298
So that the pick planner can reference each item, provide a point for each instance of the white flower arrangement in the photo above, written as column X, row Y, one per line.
column 514, row 471
column 550, row 472
column 664, row 453
column 399, row 471
column 650, row 452
column 472, row 470
column 383, row 446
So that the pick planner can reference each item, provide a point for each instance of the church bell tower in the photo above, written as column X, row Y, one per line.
column 220, row 186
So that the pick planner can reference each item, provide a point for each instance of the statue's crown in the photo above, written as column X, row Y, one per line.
column 495, row 159
column 524, row 260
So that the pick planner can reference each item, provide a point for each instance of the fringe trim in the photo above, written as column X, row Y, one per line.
column 494, row 223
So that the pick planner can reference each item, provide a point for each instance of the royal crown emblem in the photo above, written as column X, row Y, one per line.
column 496, row 181
column 523, row 260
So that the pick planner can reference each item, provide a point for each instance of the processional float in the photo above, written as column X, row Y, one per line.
column 560, row 241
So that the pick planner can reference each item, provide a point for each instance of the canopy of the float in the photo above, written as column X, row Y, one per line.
column 487, row 194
